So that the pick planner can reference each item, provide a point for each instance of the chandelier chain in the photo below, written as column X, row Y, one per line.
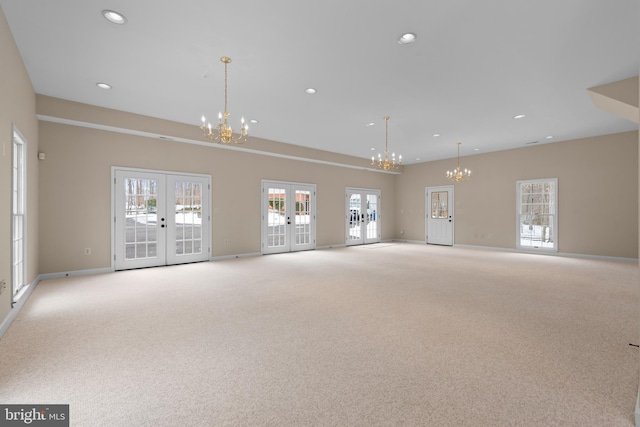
column 386, row 135
column 225, row 87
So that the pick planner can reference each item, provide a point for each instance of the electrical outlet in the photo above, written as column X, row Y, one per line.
column 87, row 251
column 3, row 285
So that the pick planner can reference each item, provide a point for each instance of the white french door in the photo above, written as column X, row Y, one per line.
column 439, row 213
column 160, row 218
column 362, row 216
column 288, row 217
column 537, row 204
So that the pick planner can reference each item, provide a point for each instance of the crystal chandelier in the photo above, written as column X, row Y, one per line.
column 458, row 174
column 386, row 164
column 223, row 132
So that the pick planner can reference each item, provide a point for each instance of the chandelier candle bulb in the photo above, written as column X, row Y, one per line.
column 458, row 174
column 223, row 132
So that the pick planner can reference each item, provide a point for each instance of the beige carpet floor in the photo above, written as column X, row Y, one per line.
column 380, row 335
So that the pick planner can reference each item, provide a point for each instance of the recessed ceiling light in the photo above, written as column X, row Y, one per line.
column 519, row 116
column 436, row 135
column 103, row 85
column 549, row 137
column 310, row 91
column 254, row 121
column 373, row 148
column 418, row 158
column 476, row 149
column 115, row 17
column 407, row 38
column 370, row 124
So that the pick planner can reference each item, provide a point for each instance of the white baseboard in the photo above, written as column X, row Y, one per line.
column 637, row 412
column 75, row 273
column 339, row 245
column 18, row 304
column 420, row 242
column 25, row 293
column 223, row 257
column 561, row 254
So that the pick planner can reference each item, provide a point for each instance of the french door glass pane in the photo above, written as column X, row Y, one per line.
column 188, row 217
column 354, row 217
column 372, row 216
column 141, row 218
column 277, row 221
column 303, row 217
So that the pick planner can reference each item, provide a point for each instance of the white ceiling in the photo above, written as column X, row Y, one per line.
column 474, row 66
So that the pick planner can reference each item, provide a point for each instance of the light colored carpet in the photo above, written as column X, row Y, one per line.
column 398, row 334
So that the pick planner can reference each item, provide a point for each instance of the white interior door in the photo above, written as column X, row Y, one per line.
column 439, row 213
column 288, row 217
column 362, row 216
column 160, row 219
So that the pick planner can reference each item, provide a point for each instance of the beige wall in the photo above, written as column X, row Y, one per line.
column 598, row 188
column 597, row 195
column 17, row 107
column 75, row 189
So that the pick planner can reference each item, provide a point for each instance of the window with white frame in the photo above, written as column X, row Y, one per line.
column 18, row 208
column 537, row 214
